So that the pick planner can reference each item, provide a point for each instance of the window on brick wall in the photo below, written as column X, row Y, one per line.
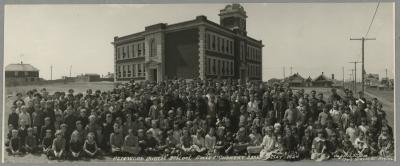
column 129, row 71
column 144, row 49
column 118, row 53
column 127, row 51
column 139, row 49
column 223, row 45
column 133, row 70
column 123, row 71
column 231, row 47
column 123, row 53
column 213, row 42
column 232, row 68
column 144, row 70
column 223, row 67
column 133, row 50
column 153, row 48
column 139, row 66
column 214, row 66
column 218, row 44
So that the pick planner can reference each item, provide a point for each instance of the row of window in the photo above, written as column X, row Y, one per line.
column 131, row 50
column 254, row 70
column 253, row 53
column 218, row 66
column 218, row 43
column 131, row 70
column 25, row 73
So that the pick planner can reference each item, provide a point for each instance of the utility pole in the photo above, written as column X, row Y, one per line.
column 386, row 73
column 284, row 73
column 70, row 69
column 291, row 70
column 51, row 72
column 362, row 54
column 355, row 75
column 351, row 80
column 343, row 75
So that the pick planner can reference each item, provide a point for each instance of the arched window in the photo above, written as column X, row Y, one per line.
column 153, row 48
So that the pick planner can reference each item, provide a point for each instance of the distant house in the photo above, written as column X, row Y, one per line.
column 88, row 77
column 322, row 81
column 295, row 80
column 308, row 82
column 19, row 73
column 274, row 81
column 372, row 80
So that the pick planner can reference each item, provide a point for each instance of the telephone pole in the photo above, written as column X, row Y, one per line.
column 51, row 72
column 284, row 73
column 351, row 80
column 355, row 75
column 343, row 75
column 363, row 39
column 70, row 69
column 386, row 73
column 291, row 70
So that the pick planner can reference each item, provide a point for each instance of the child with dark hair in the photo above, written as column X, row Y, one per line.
column 241, row 142
column 15, row 144
column 13, row 118
column 255, row 141
column 361, row 145
column 290, row 145
column 30, row 142
column 75, row 145
column 305, row 145
column 47, row 143
column 172, row 144
column 372, row 144
column 151, row 146
column 131, row 144
column 319, row 151
column 324, row 116
column 347, row 150
column 116, row 141
column 198, row 142
column 186, row 143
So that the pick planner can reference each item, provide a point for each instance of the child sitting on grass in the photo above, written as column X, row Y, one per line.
column 14, row 147
column 30, row 142
column 58, row 147
column 47, row 143
column 75, row 145
column 90, row 147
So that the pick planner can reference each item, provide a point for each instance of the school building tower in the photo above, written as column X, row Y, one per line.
column 197, row 48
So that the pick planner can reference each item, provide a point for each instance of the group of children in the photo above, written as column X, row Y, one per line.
column 198, row 118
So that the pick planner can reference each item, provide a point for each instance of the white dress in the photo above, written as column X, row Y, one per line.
column 268, row 145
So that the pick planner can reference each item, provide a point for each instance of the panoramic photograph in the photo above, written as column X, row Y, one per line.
column 255, row 82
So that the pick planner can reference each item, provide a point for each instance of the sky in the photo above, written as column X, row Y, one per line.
column 309, row 37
